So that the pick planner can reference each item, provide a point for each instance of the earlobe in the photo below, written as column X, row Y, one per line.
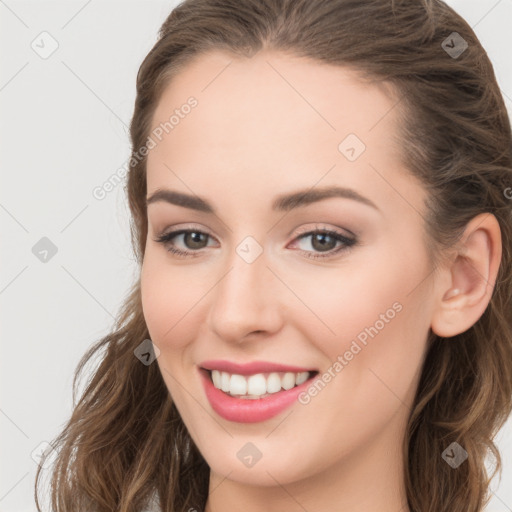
column 468, row 282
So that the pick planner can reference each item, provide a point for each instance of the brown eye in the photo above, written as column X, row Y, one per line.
column 193, row 240
column 322, row 241
column 325, row 241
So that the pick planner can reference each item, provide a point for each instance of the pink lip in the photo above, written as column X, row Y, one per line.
column 251, row 368
column 244, row 410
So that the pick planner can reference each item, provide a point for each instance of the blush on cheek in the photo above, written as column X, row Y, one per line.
column 366, row 330
column 169, row 312
column 354, row 317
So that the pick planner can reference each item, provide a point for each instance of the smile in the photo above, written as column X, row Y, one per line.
column 254, row 397
column 258, row 385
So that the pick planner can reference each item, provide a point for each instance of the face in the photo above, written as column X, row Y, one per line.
column 338, row 288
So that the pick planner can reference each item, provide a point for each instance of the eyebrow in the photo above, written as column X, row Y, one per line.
column 283, row 203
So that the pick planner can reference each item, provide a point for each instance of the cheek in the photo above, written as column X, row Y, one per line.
column 381, row 320
column 372, row 363
column 167, row 303
column 368, row 313
column 339, row 304
column 170, row 297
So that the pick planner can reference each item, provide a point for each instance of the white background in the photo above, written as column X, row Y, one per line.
column 64, row 125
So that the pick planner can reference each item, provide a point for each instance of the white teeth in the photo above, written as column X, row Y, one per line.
column 224, row 381
column 257, row 385
column 238, row 385
column 217, row 380
column 301, row 377
column 273, row 383
column 288, row 381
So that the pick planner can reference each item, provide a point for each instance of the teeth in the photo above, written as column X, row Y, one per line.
column 288, row 381
column 301, row 377
column 238, row 385
column 224, row 381
column 273, row 383
column 258, row 385
column 217, row 379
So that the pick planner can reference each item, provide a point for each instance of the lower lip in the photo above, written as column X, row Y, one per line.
column 246, row 410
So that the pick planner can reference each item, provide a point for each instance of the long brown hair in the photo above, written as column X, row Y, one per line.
column 125, row 441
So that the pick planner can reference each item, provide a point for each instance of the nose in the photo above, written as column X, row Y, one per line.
column 245, row 303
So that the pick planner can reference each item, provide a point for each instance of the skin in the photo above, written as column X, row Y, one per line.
column 259, row 131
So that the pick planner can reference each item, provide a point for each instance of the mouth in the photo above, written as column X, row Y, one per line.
column 258, row 385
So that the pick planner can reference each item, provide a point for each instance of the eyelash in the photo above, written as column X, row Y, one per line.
column 347, row 243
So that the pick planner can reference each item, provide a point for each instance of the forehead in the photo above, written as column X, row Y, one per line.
column 277, row 89
column 273, row 120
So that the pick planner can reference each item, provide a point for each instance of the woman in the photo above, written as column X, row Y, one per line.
column 322, row 217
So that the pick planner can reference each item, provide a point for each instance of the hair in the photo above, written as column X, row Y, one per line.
column 126, row 443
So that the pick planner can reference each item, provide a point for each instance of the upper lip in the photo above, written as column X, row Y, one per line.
column 251, row 368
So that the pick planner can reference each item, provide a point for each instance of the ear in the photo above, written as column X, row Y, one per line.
column 465, row 286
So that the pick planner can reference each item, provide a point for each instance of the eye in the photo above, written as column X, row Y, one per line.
column 324, row 241
column 193, row 238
